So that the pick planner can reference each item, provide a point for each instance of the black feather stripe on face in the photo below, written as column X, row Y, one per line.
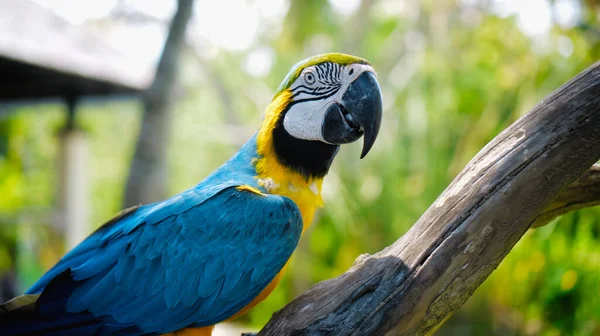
column 327, row 75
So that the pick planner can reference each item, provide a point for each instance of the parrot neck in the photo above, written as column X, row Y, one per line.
column 290, row 167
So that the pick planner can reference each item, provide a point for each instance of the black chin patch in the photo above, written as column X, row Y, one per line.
column 307, row 157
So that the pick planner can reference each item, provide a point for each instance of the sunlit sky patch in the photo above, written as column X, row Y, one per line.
column 567, row 13
column 345, row 7
column 230, row 24
column 259, row 62
column 533, row 16
column 77, row 12
column 235, row 25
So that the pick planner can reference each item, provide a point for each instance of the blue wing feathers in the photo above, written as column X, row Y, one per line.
column 192, row 260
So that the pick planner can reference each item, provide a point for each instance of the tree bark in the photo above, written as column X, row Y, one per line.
column 514, row 181
column 583, row 193
column 147, row 180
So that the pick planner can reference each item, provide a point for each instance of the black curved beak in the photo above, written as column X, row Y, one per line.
column 359, row 113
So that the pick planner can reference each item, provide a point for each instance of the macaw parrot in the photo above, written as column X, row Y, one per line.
column 211, row 253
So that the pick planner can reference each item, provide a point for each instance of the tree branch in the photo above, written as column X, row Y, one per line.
column 583, row 193
column 414, row 284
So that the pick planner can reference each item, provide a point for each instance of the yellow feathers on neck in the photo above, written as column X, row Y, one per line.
column 279, row 179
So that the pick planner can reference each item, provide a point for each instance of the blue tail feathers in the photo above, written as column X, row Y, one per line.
column 46, row 314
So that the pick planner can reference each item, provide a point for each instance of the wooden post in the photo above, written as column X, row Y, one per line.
column 73, row 181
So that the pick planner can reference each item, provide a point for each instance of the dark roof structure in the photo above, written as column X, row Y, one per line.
column 43, row 56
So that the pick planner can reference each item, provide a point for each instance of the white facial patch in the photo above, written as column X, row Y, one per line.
column 304, row 120
column 315, row 90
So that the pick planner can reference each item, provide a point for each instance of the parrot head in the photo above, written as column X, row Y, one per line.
column 325, row 101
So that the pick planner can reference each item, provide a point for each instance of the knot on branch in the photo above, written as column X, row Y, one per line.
column 360, row 260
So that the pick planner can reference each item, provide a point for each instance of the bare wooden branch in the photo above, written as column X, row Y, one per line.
column 414, row 284
column 583, row 193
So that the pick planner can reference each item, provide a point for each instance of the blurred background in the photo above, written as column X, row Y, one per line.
column 454, row 73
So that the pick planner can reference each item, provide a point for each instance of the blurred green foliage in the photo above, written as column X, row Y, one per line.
column 454, row 75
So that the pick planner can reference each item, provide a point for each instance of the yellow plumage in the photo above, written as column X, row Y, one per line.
column 279, row 179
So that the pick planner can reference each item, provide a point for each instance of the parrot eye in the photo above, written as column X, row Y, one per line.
column 309, row 78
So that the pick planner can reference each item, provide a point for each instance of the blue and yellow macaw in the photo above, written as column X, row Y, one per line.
column 213, row 252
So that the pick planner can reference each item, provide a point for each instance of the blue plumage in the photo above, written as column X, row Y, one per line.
column 192, row 260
